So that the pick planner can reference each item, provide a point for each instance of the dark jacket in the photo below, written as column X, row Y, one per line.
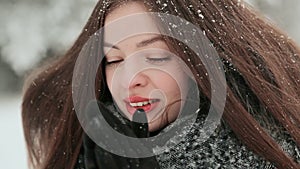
column 221, row 150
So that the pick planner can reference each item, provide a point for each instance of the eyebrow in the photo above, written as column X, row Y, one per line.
column 140, row 44
column 150, row 41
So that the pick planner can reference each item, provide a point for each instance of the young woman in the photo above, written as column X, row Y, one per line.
column 154, row 74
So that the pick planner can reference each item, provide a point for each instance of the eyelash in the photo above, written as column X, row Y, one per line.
column 113, row 62
column 158, row 60
column 153, row 60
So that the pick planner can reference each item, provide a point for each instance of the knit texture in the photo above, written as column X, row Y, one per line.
column 222, row 150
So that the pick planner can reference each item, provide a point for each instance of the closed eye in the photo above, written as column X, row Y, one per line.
column 113, row 62
column 158, row 60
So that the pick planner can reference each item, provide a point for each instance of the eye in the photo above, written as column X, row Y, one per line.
column 113, row 62
column 158, row 60
column 110, row 63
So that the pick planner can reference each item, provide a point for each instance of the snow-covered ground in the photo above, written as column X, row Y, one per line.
column 12, row 144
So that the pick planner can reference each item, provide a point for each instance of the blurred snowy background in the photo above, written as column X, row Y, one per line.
column 32, row 30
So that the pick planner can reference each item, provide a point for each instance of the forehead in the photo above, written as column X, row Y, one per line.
column 128, row 20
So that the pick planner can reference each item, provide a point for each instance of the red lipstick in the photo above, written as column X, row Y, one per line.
column 136, row 102
column 134, row 99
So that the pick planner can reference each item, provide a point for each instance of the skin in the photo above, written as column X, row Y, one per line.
column 158, row 76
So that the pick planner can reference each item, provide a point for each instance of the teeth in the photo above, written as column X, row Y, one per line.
column 139, row 104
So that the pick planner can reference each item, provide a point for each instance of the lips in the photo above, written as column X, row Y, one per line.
column 136, row 102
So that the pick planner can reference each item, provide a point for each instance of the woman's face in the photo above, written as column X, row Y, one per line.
column 142, row 73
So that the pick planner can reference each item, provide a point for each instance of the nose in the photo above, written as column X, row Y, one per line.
column 133, row 76
column 139, row 80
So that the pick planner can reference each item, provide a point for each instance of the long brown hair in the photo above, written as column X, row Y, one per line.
column 261, row 62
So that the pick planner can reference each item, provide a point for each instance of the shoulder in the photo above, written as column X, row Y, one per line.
column 222, row 148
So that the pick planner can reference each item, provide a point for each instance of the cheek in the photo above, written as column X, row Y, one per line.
column 173, row 86
column 108, row 79
column 167, row 84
